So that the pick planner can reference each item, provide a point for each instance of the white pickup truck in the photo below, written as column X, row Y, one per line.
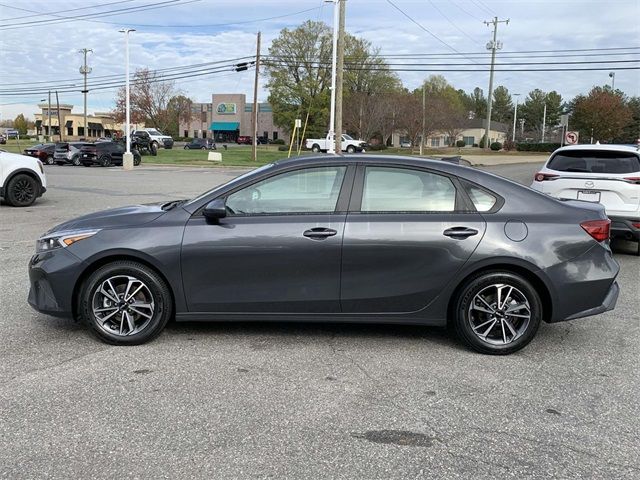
column 348, row 144
column 157, row 137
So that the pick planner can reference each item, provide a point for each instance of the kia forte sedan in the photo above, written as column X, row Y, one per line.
column 336, row 239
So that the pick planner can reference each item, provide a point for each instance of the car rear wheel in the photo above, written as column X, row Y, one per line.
column 186, row 147
column 497, row 313
column 315, row 148
column 137, row 160
column 125, row 303
column 105, row 161
column 75, row 161
column 22, row 190
column 49, row 160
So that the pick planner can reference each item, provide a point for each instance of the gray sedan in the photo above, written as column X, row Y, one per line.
column 336, row 239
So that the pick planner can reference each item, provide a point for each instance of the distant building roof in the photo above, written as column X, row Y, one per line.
column 480, row 123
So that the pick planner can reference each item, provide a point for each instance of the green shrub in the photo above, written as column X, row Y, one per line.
column 509, row 145
column 483, row 141
column 537, row 147
column 495, row 146
column 377, row 147
column 283, row 148
column 460, row 143
column 278, row 141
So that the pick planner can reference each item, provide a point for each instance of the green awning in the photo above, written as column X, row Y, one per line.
column 224, row 126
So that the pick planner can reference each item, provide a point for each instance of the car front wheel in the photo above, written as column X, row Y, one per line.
column 351, row 149
column 22, row 190
column 497, row 313
column 125, row 303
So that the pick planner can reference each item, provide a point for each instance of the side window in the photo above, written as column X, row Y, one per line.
column 482, row 200
column 310, row 190
column 389, row 189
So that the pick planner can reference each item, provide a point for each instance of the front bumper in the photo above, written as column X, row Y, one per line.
column 167, row 143
column 623, row 227
column 53, row 276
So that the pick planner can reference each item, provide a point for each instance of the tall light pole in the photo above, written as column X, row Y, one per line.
column 49, row 113
column 493, row 46
column 127, row 159
column 424, row 104
column 340, row 74
column 515, row 115
column 612, row 76
column 331, row 140
column 544, row 121
column 84, row 70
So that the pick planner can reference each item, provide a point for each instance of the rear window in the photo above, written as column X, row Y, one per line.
column 595, row 162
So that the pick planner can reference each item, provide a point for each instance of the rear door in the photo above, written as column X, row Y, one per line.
column 407, row 234
column 597, row 175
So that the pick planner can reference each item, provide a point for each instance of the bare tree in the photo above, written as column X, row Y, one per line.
column 149, row 98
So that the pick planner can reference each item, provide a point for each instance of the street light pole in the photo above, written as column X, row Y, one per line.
column 84, row 70
column 612, row 76
column 424, row 84
column 515, row 115
column 49, row 113
column 544, row 121
column 331, row 147
column 127, row 159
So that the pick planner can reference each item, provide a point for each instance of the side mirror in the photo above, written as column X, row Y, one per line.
column 215, row 209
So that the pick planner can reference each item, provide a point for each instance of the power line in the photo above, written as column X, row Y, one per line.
column 465, row 11
column 451, row 22
column 89, row 16
column 85, row 7
column 390, row 2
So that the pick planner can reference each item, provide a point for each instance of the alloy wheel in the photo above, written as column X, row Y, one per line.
column 23, row 191
column 123, row 305
column 499, row 314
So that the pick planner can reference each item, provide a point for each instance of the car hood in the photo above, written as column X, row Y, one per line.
column 130, row 216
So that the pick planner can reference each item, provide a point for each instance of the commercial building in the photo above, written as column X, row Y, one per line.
column 100, row 124
column 229, row 116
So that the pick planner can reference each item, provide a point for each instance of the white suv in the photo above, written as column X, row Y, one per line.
column 22, row 179
column 608, row 174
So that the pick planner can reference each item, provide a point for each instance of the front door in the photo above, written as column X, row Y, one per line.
column 278, row 249
column 405, row 240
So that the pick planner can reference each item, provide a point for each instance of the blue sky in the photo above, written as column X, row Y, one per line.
column 37, row 53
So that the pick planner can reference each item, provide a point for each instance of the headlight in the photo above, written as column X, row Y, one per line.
column 62, row 239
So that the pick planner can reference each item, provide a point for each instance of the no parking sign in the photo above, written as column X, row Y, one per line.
column 571, row 138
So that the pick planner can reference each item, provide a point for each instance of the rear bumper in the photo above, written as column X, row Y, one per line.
column 623, row 227
column 608, row 303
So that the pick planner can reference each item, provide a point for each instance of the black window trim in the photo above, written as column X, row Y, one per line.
column 463, row 203
column 341, row 204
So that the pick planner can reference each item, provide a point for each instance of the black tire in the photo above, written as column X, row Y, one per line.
column 150, row 325
column 315, row 148
column 521, row 289
column 186, row 148
column 153, row 149
column 75, row 161
column 351, row 149
column 86, row 164
column 49, row 160
column 22, row 190
column 155, row 145
column 137, row 160
column 203, row 148
column 105, row 160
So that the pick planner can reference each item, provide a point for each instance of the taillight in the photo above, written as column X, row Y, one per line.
column 637, row 225
column 598, row 229
column 541, row 177
column 635, row 180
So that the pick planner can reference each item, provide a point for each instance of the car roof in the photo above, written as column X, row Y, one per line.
column 601, row 147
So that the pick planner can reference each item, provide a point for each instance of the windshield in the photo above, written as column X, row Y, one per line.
column 155, row 132
column 594, row 161
column 347, row 137
column 237, row 179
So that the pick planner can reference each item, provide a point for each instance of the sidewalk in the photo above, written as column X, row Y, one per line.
column 477, row 160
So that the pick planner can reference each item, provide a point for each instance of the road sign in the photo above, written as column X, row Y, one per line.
column 571, row 138
column 564, row 120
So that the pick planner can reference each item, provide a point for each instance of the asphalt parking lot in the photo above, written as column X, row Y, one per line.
column 250, row 400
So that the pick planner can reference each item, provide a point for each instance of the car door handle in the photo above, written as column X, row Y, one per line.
column 319, row 233
column 460, row 233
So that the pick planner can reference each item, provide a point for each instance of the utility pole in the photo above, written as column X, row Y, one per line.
column 424, row 127
column 515, row 115
column 334, row 60
column 59, row 123
column 49, row 113
column 254, row 120
column 84, row 70
column 544, row 121
column 339, row 73
column 612, row 76
column 493, row 46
